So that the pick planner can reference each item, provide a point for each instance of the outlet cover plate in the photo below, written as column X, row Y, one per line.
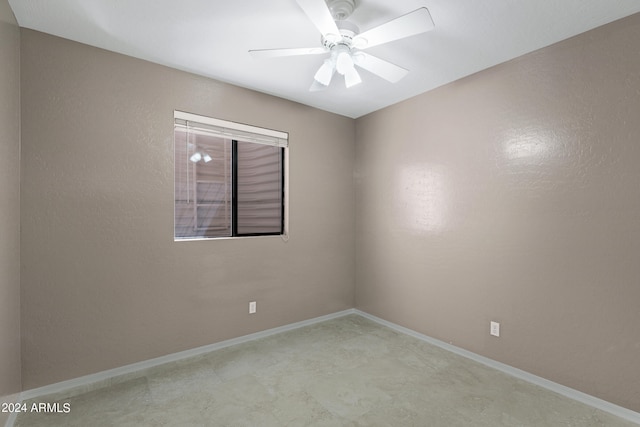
column 495, row 329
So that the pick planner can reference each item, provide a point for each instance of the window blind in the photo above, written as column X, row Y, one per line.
column 232, row 130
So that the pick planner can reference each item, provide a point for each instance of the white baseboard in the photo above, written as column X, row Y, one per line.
column 14, row 398
column 99, row 379
column 11, row 419
column 579, row 396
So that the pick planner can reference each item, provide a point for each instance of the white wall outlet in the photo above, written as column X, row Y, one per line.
column 252, row 307
column 495, row 329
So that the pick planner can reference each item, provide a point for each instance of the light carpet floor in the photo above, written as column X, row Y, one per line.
column 343, row 372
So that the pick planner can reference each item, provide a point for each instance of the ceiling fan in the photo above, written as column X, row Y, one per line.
column 345, row 44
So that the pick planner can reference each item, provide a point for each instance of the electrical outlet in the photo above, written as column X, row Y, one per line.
column 495, row 329
column 252, row 307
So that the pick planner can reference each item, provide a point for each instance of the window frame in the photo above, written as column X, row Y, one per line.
column 243, row 133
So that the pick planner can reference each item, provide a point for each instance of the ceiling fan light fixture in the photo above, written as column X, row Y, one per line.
column 344, row 62
column 358, row 58
column 351, row 77
column 325, row 73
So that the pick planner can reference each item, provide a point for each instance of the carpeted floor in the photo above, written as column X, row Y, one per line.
column 344, row 372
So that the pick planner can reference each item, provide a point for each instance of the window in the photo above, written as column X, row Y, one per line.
column 229, row 179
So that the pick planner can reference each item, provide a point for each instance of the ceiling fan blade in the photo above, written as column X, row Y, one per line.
column 319, row 14
column 416, row 22
column 380, row 67
column 277, row 53
column 325, row 73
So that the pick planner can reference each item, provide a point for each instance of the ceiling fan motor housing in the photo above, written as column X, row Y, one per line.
column 341, row 9
column 347, row 30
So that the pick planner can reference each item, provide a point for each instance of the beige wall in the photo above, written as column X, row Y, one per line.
column 514, row 195
column 103, row 283
column 9, row 205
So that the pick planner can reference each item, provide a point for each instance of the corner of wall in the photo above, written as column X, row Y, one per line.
column 10, row 356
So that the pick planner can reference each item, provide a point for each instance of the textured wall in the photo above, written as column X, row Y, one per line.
column 514, row 195
column 9, row 204
column 103, row 282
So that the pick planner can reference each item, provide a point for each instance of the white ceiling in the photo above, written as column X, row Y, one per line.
column 212, row 37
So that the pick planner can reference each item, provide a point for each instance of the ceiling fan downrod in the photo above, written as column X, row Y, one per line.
column 341, row 9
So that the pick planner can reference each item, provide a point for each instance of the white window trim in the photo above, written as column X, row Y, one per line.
column 234, row 130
